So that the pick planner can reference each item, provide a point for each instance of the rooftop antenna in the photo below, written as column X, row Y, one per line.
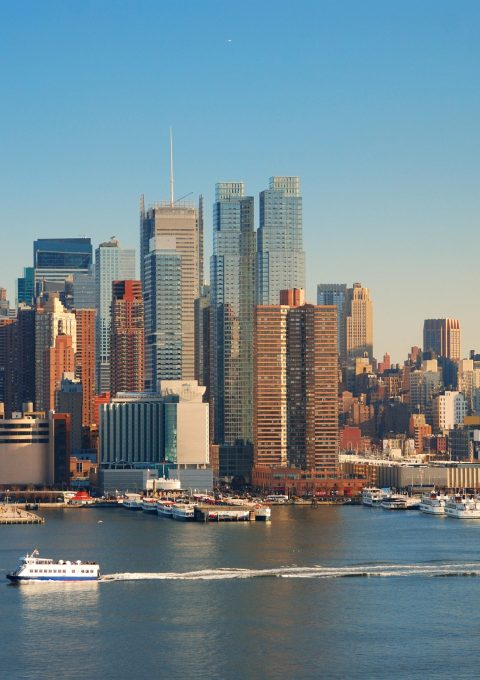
column 172, row 201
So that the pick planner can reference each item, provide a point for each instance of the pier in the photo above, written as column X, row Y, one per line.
column 11, row 514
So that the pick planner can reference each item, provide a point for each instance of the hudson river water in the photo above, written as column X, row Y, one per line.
column 247, row 601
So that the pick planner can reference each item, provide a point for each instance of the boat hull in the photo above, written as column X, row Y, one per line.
column 23, row 580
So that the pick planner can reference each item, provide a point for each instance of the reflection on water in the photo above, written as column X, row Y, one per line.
column 246, row 600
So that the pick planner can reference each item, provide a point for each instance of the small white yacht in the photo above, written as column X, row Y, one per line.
column 434, row 503
column 33, row 568
column 463, row 507
column 372, row 497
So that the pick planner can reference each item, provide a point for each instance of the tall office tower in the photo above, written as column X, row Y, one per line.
column 59, row 359
column 112, row 263
column 202, row 339
column 443, row 337
column 127, row 367
column 163, row 312
column 50, row 320
column 85, row 363
column 280, row 254
column 270, row 398
column 232, row 291
column 19, row 369
column 201, row 247
column 54, row 259
column 336, row 294
column 26, row 287
column 359, row 329
column 296, row 385
column 5, row 344
column 178, row 221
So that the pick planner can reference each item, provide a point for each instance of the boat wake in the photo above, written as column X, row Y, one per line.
column 319, row 572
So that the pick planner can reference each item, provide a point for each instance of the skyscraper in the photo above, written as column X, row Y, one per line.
column 163, row 312
column 112, row 263
column 50, row 320
column 85, row 363
column 296, row 385
column 443, row 337
column 178, row 221
column 54, row 259
column 127, row 344
column 59, row 359
column 359, row 329
column 280, row 254
column 336, row 294
column 232, row 293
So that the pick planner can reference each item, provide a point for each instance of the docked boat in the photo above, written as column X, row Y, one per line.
column 463, row 507
column 133, row 502
column 33, row 568
column 263, row 513
column 373, row 497
column 164, row 508
column 399, row 501
column 149, row 505
column 183, row 511
column 434, row 504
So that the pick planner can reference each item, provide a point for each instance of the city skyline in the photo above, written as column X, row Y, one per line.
column 380, row 127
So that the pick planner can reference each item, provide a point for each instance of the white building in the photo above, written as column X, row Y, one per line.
column 449, row 409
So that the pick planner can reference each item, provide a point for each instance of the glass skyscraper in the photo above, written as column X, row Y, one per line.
column 112, row 263
column 280, row 254
column 163, row 312
column 336, row 294
column 182, row 222
column 232, row 281
column 56, row 258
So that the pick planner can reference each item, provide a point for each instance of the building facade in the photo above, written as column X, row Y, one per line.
column 296, row 387
column 112, row 263
column 127, row 364
column 163, row 312
column 180, row 222
column 280, row 254
column 232, row 294
column 443, row 337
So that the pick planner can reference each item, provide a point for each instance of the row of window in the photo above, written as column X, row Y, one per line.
column 59, row 571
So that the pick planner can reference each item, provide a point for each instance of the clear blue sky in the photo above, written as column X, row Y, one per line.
column 375, row 104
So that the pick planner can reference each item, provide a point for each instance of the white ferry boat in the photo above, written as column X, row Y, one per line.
column 33, row 568
column 434, row 504
column 183, row 512
column 400, row 501
column 372, row 497
column 133, row 501
column 149, row 505
column 463, row 507
column 164, row 508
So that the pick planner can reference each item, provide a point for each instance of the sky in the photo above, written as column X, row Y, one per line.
column 374, row 104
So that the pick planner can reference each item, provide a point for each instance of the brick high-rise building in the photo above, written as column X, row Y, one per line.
column 58, row 359
column 85, row 363
column 127, row 340
column 296, row 385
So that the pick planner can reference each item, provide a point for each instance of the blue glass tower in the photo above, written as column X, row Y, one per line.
column 232, row 305
column 280, row 254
